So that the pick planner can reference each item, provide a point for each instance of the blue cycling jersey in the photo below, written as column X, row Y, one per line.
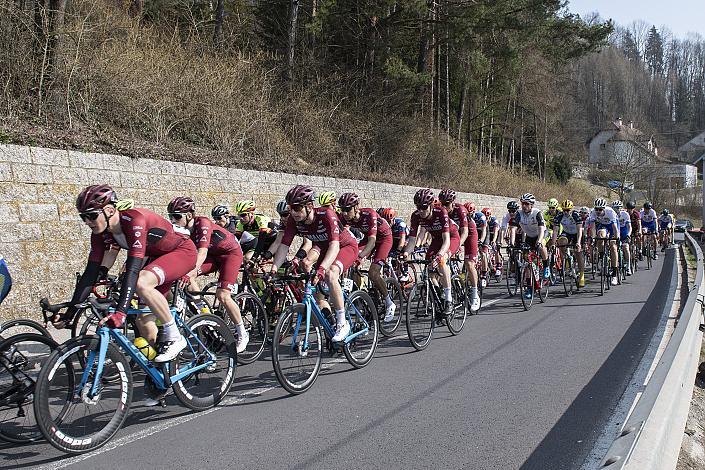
column 5, row 280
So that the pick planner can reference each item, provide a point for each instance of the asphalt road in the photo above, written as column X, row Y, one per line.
column 516, row 389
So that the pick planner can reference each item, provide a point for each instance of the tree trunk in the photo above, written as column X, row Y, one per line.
column 461, row 109
column 291, row 44
column 545, row 142
column 219, row 17
column 521, row 144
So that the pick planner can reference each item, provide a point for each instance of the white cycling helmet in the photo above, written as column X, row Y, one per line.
column 528, row 197
column 600, row 203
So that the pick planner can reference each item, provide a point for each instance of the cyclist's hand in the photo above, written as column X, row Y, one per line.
column 320, row 274
column 405, row 256
column 578, row 248
column 306, row 265
column 62, row 320
column 114, row 320
column 357, row 262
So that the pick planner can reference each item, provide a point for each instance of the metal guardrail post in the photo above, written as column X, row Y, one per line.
column 652, row 435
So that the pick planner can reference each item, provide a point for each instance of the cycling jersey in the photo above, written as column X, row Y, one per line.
column 232, row 225
column 569, row 222
column 436, row 225
column 548, row 217
column 261, row 229
column 480, row 219
column 606, row 221
column 648, row 216
column 664, row 222
column 371, row 224
column 260, row 222
column 509, row 220
column 459, row 215
column 530, row 223
column 224, row 253
column 635, row 218
column 399, row 228
column 5, row 280
column 625, row 221
column 492, row 224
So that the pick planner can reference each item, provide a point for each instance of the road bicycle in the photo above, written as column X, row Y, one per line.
column 569, row 270
column 297, row 345
column 531, row 277
column 395, row 292
column 84, row 391
column 22, row 325
column 424, row 310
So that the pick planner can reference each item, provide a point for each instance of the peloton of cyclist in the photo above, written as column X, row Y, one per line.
column 625, row 233
column 218, row 251
column 572, row 234
column 377, row 242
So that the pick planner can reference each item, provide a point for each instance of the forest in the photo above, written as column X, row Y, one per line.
column 499, row 95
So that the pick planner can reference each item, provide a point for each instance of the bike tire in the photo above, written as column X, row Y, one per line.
column 512, row 279
column 22, row 325
column 527, row 281
column 545, row 285
column 389, row 329
column 360, row 350
column 207, row 387
column 57, row 381
column 461, row 306
column 21, row 358
column 288, row 361
column 420, row 312
column 567, row 277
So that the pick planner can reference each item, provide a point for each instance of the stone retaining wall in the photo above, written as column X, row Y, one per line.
column 45, row 243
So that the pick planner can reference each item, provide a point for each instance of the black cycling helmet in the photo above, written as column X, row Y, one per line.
column 282, row 208
column 219, row 211
column 647, row 205
column 665, row 212
column 630, row 205
column 513, row 206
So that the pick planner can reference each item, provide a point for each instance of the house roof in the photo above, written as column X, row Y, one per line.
column 697, row 141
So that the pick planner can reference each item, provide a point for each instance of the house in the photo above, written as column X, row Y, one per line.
column 622, row 143
column 693, row 152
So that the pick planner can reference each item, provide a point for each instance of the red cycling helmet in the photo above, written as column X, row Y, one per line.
column 349, row 200
column 487, row 211
column 447, row 196
column 388, row 214
column 470, row 207
column 423, row 197
column 181, row 205
column 95, row 197
column 299, row 195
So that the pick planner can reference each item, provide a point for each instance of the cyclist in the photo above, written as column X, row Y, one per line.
column 481, row 223
column 664, row 225
column 635, row 218
column 467, row 232
column 5, row 279
column 256, row 224
column 509, row 225
column 218, row 251
column 327, row 199
column 400, row 232
column 625, row 233
column 606, row 226
column 648, row 225
column 337, row 249
column 493, row 240
column 283, row 211
column 221, row 216
column 144, row 234
column 377, row 241
column 444, row 239
column 548, row 215
column 530, row 219
column 572, row 234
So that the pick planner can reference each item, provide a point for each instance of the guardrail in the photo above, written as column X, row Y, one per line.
column 652, row 435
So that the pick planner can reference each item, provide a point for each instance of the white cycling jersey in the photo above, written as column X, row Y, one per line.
column 664, row 220
column 530, row 223
column 648, row 216
column 624, row 219
column 608, row 217
column 506, row 219
column 569, row 222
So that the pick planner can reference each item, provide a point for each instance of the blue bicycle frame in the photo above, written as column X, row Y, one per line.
column 312, row 306
column 159, row 378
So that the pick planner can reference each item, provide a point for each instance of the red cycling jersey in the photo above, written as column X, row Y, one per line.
column 459, row 215
column 219, row 241
column 371, row 224
column 324, row 229
column 436, row 225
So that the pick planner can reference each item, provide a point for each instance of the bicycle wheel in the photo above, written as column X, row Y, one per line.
column 461, row 305
column 395, row 292
column 21, row 358
column 527, row 278
column 545, row 284
column 69, row 417
column 512, row 276
column 254, row 317
column 205, row 388
column 568, row 275
column 361, row 312
column 296, row 368
column 420, row 312
column 22, row 325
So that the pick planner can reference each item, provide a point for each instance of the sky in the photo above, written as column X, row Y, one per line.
column 681, row 16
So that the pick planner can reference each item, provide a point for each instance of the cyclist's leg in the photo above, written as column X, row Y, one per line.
column 346, row 257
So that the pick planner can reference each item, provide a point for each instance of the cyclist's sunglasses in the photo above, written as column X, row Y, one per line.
column 422, row 208
column 175, row 216
column 512, row 211
column 89, row 215
column 296, row 207
column 346, row 209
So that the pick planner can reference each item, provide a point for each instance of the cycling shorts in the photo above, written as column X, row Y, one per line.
column 470, row 246
column 533, row 242
column 571, row 237
column 228, row 267
column 381, row 251
column 174, row 265
column 437, row 242
column 608, row 228
column 664, row 226
column 624, row 234
column 346, row 256
column 649, row 227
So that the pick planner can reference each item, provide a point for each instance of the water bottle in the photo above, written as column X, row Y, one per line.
column 144, row 347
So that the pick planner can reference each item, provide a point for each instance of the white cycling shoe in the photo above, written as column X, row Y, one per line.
column 475, row 305
column 391, row 308
column 242, row 342
column 614, row 280
column 168, row 350
column 341, row 332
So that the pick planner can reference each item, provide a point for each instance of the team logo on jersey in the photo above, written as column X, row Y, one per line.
column 137, row 244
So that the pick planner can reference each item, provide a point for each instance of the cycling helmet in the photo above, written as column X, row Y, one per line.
column 616, row 205
column 326, row 198
column 388, row 214
column 244, row 206
column 599, row 203
column 95, row 197
column 584, row 210
column 219, row 211
column 552, row 203
column 528, row 197
column 349, row 200
column 567, row 205
column 647, row 205
column 446, row 196
column 423, row 197
column 282, row 208
column 470, row 207
column 380, row 210
column 299, row 194
column 630, row 205
column 513, row 206
column 664, row 212
column 487, row 211
column 125, row 204
column 180, row 205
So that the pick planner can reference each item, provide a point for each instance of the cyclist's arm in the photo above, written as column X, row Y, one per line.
column 445, row 246
column 200, row 259
column 369, row 247
column 402, row 241
column 463, row 234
